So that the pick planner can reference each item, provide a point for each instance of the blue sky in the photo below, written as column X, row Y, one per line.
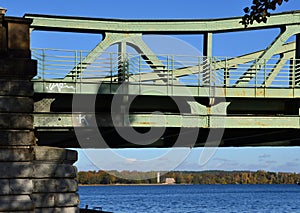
column 272, row 159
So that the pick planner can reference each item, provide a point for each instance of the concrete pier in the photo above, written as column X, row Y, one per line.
column 32, row 178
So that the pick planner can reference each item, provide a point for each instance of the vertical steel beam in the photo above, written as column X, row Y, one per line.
column 207, row 52
column 297, row 54
column 207, row 45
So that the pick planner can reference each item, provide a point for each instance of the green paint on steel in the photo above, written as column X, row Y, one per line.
column 230, row 77
column 61, row 120
column 83, row 24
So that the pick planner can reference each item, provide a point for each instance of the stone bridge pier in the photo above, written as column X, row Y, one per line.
column 32, row 178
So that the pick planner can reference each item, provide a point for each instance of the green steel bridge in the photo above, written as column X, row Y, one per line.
column 251, row 100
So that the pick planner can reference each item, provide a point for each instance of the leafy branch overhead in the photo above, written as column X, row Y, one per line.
column 259, row 11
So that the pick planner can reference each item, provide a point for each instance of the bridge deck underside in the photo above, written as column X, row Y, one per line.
column 232, row 137
column 235, row 121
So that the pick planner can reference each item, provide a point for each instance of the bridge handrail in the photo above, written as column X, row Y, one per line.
column 59, row 65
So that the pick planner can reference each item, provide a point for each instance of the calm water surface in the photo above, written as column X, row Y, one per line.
column 193, row 198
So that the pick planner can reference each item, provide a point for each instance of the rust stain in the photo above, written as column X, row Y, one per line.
column 241, row 93
column 259, row 93
column 146, row 123
column 260, row 124
column 209, row 110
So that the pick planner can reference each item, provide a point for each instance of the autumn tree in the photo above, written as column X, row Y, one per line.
column 259, row 11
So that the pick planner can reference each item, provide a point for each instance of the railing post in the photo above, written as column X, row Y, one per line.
column 43, row 64
column 168, row 69
column 111, row 67
column 265, row 73
column 226, row 74
column 256, row 74
column 140, row 67
column 172, row 70
column 76, row 64
column 293, row 73
column 43, row 69
column 80, row 72
column 199, row 71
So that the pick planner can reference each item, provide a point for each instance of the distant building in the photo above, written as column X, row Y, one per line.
column 170, row 181
column 158, row 177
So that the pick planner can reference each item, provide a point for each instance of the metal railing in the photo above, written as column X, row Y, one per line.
column 56, row 65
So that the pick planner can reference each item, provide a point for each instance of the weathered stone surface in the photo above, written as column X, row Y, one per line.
column 16, row 121
column 4, row 186
column 46, row 170
column 20, row 186
column 17, row 138
column 43, row 199
column 16, row 104
column 15, row 187
column 16, row 154
column 51, row 154
column 11, row 203
column 16, row 88
column 11, row 43
column 18, row 37
column 13, row 68
column 16, row 170
column 66, row 199
column 55, row 199
column 57, row 210
column 54, row 185
column 66, row 185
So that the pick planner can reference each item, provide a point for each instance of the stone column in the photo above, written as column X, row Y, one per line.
column 54, row 186
column 16, row 121
column 32, row 178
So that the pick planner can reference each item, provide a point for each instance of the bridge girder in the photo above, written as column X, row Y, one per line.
column 282, row 117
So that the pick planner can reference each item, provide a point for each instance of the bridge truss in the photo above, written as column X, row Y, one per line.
column 253, row 97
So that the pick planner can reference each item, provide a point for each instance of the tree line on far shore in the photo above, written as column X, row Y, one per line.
column 188, row 177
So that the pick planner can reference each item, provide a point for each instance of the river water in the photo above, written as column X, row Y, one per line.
column 192, row 198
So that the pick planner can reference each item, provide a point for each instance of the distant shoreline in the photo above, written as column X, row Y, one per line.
column 178, row 184
column 94, row 178
column 134, row 184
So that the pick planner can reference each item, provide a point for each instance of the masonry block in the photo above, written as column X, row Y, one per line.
column 16, row 154
column 23, row 88
column 47, row 170
column 4, row 186
column 13, row 68
column 54, row 185
column 66, row 199
column 57, row 210
column 20, row 186
column 9, row 203
column 17, row 138
column 55, row 199
column 43, row 200
column 15, row 170
column 16, row 121
column 52, row 154
column 16, row 104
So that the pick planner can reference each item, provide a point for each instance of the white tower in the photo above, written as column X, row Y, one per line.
column 158, row 177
